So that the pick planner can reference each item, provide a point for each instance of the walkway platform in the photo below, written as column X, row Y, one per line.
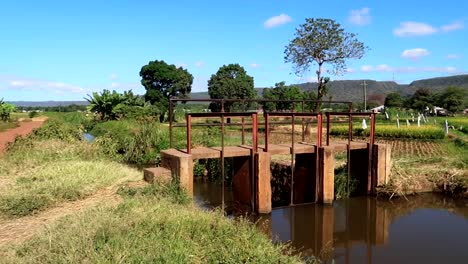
column 273, row 149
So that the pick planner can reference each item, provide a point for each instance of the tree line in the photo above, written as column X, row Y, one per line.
column 453, row 99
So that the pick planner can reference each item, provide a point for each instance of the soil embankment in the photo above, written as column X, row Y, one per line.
column 24, row 128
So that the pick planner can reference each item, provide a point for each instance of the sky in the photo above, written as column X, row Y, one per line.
column 65, row 50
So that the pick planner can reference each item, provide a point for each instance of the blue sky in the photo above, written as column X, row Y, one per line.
column 63, row 50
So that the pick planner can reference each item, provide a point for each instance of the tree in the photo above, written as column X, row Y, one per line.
column 322, row 41
column 422, row 100
column 5, row 110
column 393, row 100
column 104, row 103
column 281, row 92
column 162, row 82
column 453, row 99
column 230, row 82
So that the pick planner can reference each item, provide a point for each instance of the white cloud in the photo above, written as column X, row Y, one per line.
column 367, row 68
column 254, row 65
column 199, row 64
column 42, row 85
column 454, row 56
column 113, row 76
column 350, row 70
column 414, row 54
column 360, row 17
column 452, row 27
column 277, row 21
column 408, row 29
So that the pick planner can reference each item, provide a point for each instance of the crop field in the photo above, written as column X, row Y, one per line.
column 415, row 148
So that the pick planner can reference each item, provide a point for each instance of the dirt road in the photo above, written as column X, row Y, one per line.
column 25, row 128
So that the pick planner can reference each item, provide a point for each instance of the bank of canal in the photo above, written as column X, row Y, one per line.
column 426, row 228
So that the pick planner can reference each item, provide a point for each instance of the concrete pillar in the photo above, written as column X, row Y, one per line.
column 326, row 175
column 181, row 166
column 381, row 162
column 262, row 181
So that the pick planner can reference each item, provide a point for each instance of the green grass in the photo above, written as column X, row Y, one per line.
column 148, row 227
column 7, row 125
column 153, row 224
column 40, row 174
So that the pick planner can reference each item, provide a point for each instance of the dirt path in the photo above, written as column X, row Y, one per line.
column 25, row 128
column 16, row 231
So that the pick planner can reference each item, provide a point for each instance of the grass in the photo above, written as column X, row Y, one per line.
column 149, row 227
column 7, row 125
column 153, row 224
column 51, row 172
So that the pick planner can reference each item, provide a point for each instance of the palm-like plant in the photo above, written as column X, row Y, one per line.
column 104, row 103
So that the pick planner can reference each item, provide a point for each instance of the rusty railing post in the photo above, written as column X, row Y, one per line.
column 255, row 132
column 189, row 133
column 292, row 159
column 303, row 132
column 328, row 128
column 267, row 129
column 370, row 179
column 170, row 124
column 348, row 150
column 319, row 129
column 222, row 161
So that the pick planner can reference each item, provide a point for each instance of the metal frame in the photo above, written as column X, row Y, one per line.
column 173, row 101
column 370, row 180
column 253, row 151
column 318, row 144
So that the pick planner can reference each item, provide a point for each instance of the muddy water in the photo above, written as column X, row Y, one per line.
column 425, row 229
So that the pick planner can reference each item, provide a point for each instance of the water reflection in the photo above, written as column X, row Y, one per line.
column 425, row 229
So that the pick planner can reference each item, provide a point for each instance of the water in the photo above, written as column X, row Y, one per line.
column 426, row 229
column 88, row 137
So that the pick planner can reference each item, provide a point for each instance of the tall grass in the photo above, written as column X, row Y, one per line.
column 150, row 228
column 52, row 166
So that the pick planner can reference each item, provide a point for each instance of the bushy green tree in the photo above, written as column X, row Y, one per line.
column 322, row 41
column 281, row 92
column 5, row 110
column 230, row 82
column 453, row 99
column 422, row 100
column 162, row 82
column 393, row 100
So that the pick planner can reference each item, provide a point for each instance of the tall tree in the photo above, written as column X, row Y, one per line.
column 322, row 41
column 163, row 81
column 281, row 92
column 393, row 100
column 422, row 100
column 230, row 82
column 453, row 99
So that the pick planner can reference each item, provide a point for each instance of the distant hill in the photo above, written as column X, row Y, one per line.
column 47, row 103
column 352, row 90
column 438, row 84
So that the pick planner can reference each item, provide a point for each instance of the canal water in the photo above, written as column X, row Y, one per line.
column 426, row 228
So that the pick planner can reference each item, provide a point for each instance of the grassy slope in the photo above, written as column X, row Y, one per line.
column 155, row 224
column 151, row 226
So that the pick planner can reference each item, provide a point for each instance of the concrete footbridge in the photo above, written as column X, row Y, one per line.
column 312, row 163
